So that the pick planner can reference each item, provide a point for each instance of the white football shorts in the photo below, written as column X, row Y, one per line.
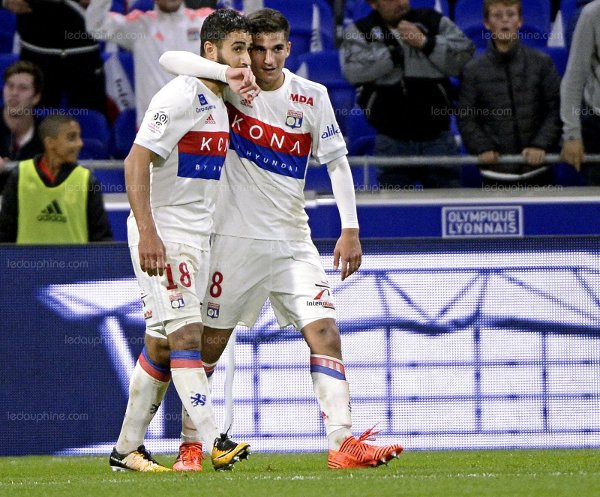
column 244, row 272
column 176, row 294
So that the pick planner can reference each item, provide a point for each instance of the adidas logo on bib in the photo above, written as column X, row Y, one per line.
column 52, row 213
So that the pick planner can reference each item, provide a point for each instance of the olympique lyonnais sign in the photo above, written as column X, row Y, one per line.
column 482, row 221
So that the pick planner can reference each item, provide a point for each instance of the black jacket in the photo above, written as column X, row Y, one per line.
column 510, row 101
column 405, row 91
column 98, row 225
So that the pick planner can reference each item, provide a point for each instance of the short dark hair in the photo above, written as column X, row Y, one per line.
column 24, row 66
column 218, row 25
column 50, row 125
column 488, row 4
column 269, row 21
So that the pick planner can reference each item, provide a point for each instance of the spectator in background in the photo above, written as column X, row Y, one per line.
column 580, row 95
column 509, row 102
column 401, row 60
column 50, row 199
column 170, row 26
column 53, row 37
column 22, row 91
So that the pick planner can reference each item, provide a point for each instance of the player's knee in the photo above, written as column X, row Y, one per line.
column 323, row 337
column 158, row 350
column 188, row 337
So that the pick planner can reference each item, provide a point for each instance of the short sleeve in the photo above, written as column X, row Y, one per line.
column 328, row 141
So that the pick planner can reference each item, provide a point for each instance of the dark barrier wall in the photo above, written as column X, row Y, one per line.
column 447, row 344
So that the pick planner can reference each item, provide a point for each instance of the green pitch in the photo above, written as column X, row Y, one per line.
column 530, row 473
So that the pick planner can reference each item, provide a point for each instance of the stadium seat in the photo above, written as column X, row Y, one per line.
column 126, row 59
column 94, row 127
column 143, row 5
column 300, row 15
column 324, row 67
column 560, row 56
column 93, row 149
column 124, row 133
column 8, row 23
column 362, row 8
column 6, row 60
column 358, row 128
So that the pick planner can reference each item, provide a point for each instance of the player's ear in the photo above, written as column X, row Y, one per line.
column 209, row 50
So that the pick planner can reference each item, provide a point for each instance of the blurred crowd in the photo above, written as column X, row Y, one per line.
column 411, row 78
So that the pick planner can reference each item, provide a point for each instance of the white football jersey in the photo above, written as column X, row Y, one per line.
column 187, row 126
column 272, row 140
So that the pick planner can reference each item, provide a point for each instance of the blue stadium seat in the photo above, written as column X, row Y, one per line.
column 126, row 59
column 324, row 67
column 124, row 133
column 6, row 60
column 358, row 128
column 93, row 149
column 94, row 126
column 362, row 8
column 300, row 15
column 142, row 5
column 560, row 56
column 8, row 23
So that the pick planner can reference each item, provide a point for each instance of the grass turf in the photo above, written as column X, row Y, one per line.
column 531, row 473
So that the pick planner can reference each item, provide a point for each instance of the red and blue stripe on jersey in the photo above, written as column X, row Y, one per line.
column 269, row 147
column 202, row 154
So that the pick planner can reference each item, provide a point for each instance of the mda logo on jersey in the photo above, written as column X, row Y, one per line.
column 294, row 119
column 301, row 99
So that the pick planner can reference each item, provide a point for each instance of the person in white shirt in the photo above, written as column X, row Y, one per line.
column 260, row 214
column 171, row 175
column 170, row 26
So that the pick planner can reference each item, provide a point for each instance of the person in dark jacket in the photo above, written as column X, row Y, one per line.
column 50, row 199
column 53, row 36
column 510, row 102
column 401, row 60
column 19, row 138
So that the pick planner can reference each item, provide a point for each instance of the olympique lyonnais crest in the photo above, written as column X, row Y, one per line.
column 294, row 119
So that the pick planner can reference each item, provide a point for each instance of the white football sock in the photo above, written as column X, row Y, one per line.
column 146, row 392
column 192, row 386
column 189, row 434
column 332, row 390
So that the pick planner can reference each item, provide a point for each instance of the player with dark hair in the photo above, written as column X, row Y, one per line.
column 261, row 215
column 171, row 175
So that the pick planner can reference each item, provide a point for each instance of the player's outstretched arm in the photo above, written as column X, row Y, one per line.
column 348, row 250
column 241, row 80
column 137, row 183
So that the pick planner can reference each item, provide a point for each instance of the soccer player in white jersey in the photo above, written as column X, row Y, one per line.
column 171, row 175
column 262, row 246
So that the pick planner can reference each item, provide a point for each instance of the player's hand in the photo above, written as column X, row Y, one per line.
column 572, row 152
column 348, row 251
column 153, row 254
column 17, row 6
column 241, row 80
column 534, row 156
column 411, row 34
column 489, row 157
